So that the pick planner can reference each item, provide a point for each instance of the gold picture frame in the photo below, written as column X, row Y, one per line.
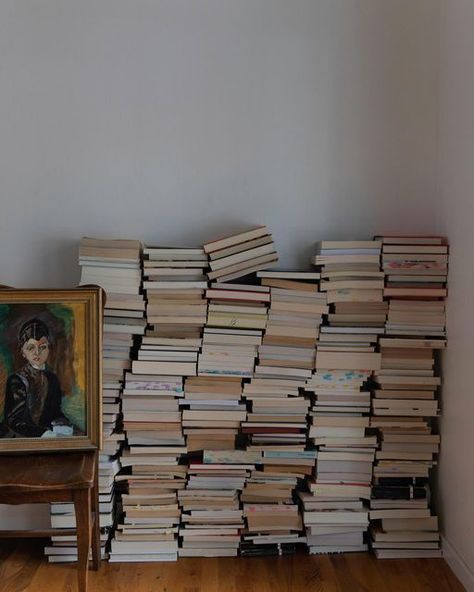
column 50, row 369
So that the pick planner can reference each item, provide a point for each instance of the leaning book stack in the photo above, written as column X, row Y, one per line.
column 404, row 401
column 241, row 254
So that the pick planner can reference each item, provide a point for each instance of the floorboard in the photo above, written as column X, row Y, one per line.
column 24, row 569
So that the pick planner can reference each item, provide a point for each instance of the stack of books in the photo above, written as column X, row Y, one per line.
column 286, row 359
column 273, row 483
column 212, row 517
column 334, row 514
column 277, row 411
column 174, row 281
column 63, row 549
column 272, row 529
column 353, row 282
column 405, row 397
column 235, row 256
column 276, row 425
column 153, row 462
column 151, row 515
column 236, row 320
column 416, row 271
column 214, row 411
column 403, row 403
column 415, row 266
column 294, row 318
column 113, row 264
column 350, row 272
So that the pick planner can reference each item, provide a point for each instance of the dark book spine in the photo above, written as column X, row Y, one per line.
column 403, row 493
column 401, row 481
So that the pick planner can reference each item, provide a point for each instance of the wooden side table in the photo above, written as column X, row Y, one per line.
column 57, row 477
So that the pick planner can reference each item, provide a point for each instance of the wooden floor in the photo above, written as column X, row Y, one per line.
column 22, row 567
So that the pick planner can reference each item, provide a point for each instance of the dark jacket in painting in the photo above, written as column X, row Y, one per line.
column 32, row 402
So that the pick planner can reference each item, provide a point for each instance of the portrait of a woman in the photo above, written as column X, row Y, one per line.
column 33, row 393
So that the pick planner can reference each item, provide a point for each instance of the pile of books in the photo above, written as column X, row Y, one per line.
column 63, row 548
column 174, row 281
column 403, row 403
column 153, row 462
column 113, row 264
column 415, row 266
column 152, row 468
column 294, row 318
column 277, row 412
column 213, row 412
column 276, row 425
column 270, row 491
column 416, row 271
column 334, row 514
column 236, row 319
column 235, row 256
column 151, row 515
column 350, row 271
column 405, row 398
column 212, row 517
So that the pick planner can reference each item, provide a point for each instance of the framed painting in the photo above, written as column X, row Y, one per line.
column 50, row 369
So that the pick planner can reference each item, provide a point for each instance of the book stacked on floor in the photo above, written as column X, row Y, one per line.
column 277, row 421
column 212, row 518
column 152, row 469
column 235, row 256
column 335, row 517
column 213, row 412
column 154, row 459
column 404, row 527
column 232, row 336
column 151, row 515
column 114, row 264
column 403, row 404
column 152, row 462
column 405, row 398
column 276, row 429
column 272, row 529
column 63, row 549
column 271, row 485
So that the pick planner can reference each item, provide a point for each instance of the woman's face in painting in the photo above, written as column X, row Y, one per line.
column 36, row 352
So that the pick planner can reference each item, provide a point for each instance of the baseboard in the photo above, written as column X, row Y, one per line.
column 457, row 564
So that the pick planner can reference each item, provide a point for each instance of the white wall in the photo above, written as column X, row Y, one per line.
column 176, row 120
column 456, row 176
